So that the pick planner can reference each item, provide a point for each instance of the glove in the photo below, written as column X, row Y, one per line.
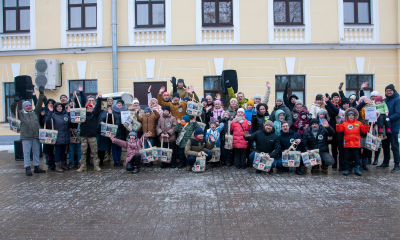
column 173, row 80
column 228, row 83
column 338, row 119
column 16, row 97
column 41, row 90
column 287, row 85
column 365, row 121
column 340, row 86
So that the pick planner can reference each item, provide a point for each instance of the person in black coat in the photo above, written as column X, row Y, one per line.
column 317, row 138
column 258, row 120
column 48, row 149
column 103, row 143
column 226, row 154
column 88, row 134
column 60, row 120
column 267, row 141
column 121, row 133
column 287, row 138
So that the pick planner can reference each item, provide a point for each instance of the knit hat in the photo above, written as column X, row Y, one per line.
column 269, row 122
column 304, row 113
column 165, row 94
column 110, row 98
column 374, row 93
column 378, row 99
column 278, row 99
column 352, row 96
column 350, row 112
column 319, row 97
column 217, row 102
column 198, row 131
column 233, row 99
column 250, row 102
column 121, row 101
column 147, row 110
column 180, row 80
column 335, row 94
column 204, row 100
column 240, row 110
column 186, row 99
column 186, row 118
column 298, row 101
column 390, row 86
column 71, row 100
column 89, row 106
column 166, row 108
column 257, row 96
column 213, row 122
column 133, row 133
column 63, row 95
column 314, row 120
column 344, row 101
column 176, row 95
column 26, row 103
column 135, row 100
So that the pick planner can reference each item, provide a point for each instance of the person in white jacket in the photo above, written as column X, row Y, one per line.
column 317, row 105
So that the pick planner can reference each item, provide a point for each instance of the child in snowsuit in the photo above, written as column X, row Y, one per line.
column 302, row 122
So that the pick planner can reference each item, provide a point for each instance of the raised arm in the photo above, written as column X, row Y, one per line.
column 285, row 95
column 39, row 104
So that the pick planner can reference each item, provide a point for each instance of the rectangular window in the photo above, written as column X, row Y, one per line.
column 16, row 15
column 288, row 12
column 82, row 14
column 150, row 13
column 354, row 82
column 357, row 11
column 89, row 87
column 9, row 90
column 297, row 86
column 212, row 86
column 217, row 12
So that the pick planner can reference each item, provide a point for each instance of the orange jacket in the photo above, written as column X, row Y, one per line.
column 352, row 132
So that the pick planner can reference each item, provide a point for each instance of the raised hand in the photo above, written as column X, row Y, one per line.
column 212, row 138
column 364, row 85
column 194, row 119
column 325, row 123
column 217, row 96
column 173, row 80
column 326, row 99
column 268, row 85
column 41, row 90
column 162, row 89
column 79, row 88
column 149, row 89
column 287, row 85
column 99, row 95
column 340, row 86
column 74, row 93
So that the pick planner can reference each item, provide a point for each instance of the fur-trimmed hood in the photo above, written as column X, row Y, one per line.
column 356, row 114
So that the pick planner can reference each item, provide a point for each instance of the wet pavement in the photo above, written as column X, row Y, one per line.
column 222, row 203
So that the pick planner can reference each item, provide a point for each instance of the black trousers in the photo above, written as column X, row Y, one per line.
column 182, row 157
column 226, row 154
column 240, row 157
column 172, row 145
column 340, row 141
column 382, row 121
column 351, row 158
column 101, row 155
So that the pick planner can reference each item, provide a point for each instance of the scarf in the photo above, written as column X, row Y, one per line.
column 239, row 119
column 315, row 131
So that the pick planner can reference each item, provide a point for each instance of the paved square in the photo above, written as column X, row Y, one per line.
column 222, row 203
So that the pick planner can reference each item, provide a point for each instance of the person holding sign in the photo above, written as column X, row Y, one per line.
column 89, row 134
column 149, row 125
column 352, row 134
column 196, row 146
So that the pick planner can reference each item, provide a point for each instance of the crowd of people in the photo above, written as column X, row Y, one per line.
column 334, row 124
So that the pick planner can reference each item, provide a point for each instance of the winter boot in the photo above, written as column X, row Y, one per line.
column 375, row 161
column 357, row 170
column 82, row 167
column 258, row 171
column 150, row 164
column 64, row 165
column 298, row 171
column 188, row 168
column 365, row 167
column 28, row 171
column 396, row 168
column 314, row 169
column 324, row 169
column 37, row 169
column 137, row 170
column 163, row 165
column 58, row 167
column 384, row 164
column 97, row 168
column 101, row 163
column 129, row 166
column 345, row 172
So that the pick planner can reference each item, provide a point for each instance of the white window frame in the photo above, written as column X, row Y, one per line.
column 374, row 23
column 32, row 31
column 65, row 31
column 235, row 27
column 306, row 22
column 132, row 29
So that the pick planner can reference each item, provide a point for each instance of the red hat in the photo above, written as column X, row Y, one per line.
column 165, row 93
column 89, row 105
column 378, row 99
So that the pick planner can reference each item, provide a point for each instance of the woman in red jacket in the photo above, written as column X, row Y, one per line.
column 240, row 125
column 352, row 135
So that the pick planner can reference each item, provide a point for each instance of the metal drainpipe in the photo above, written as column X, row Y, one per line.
column 114, row 44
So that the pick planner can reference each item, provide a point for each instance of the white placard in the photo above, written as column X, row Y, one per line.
column 124, row 115
column 370, row 114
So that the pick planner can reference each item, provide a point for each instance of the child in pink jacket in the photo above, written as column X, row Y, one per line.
column 240, row 125
column 132, row 146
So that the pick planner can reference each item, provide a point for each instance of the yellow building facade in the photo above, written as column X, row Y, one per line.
column 325, row 42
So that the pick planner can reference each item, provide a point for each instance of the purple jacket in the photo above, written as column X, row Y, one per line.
column 131, row 147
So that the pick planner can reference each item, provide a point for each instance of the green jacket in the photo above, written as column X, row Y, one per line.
column 189, row 130
column 29, row 120
column 193, row 150
column 381, row 108
column 241, row 103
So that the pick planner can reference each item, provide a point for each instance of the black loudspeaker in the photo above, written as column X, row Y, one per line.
column 231, row 75
column 24, row 86
column 18, row 153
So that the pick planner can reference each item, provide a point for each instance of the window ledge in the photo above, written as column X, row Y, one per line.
column 364, row 25
column 218, row 26
column 15, row 41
